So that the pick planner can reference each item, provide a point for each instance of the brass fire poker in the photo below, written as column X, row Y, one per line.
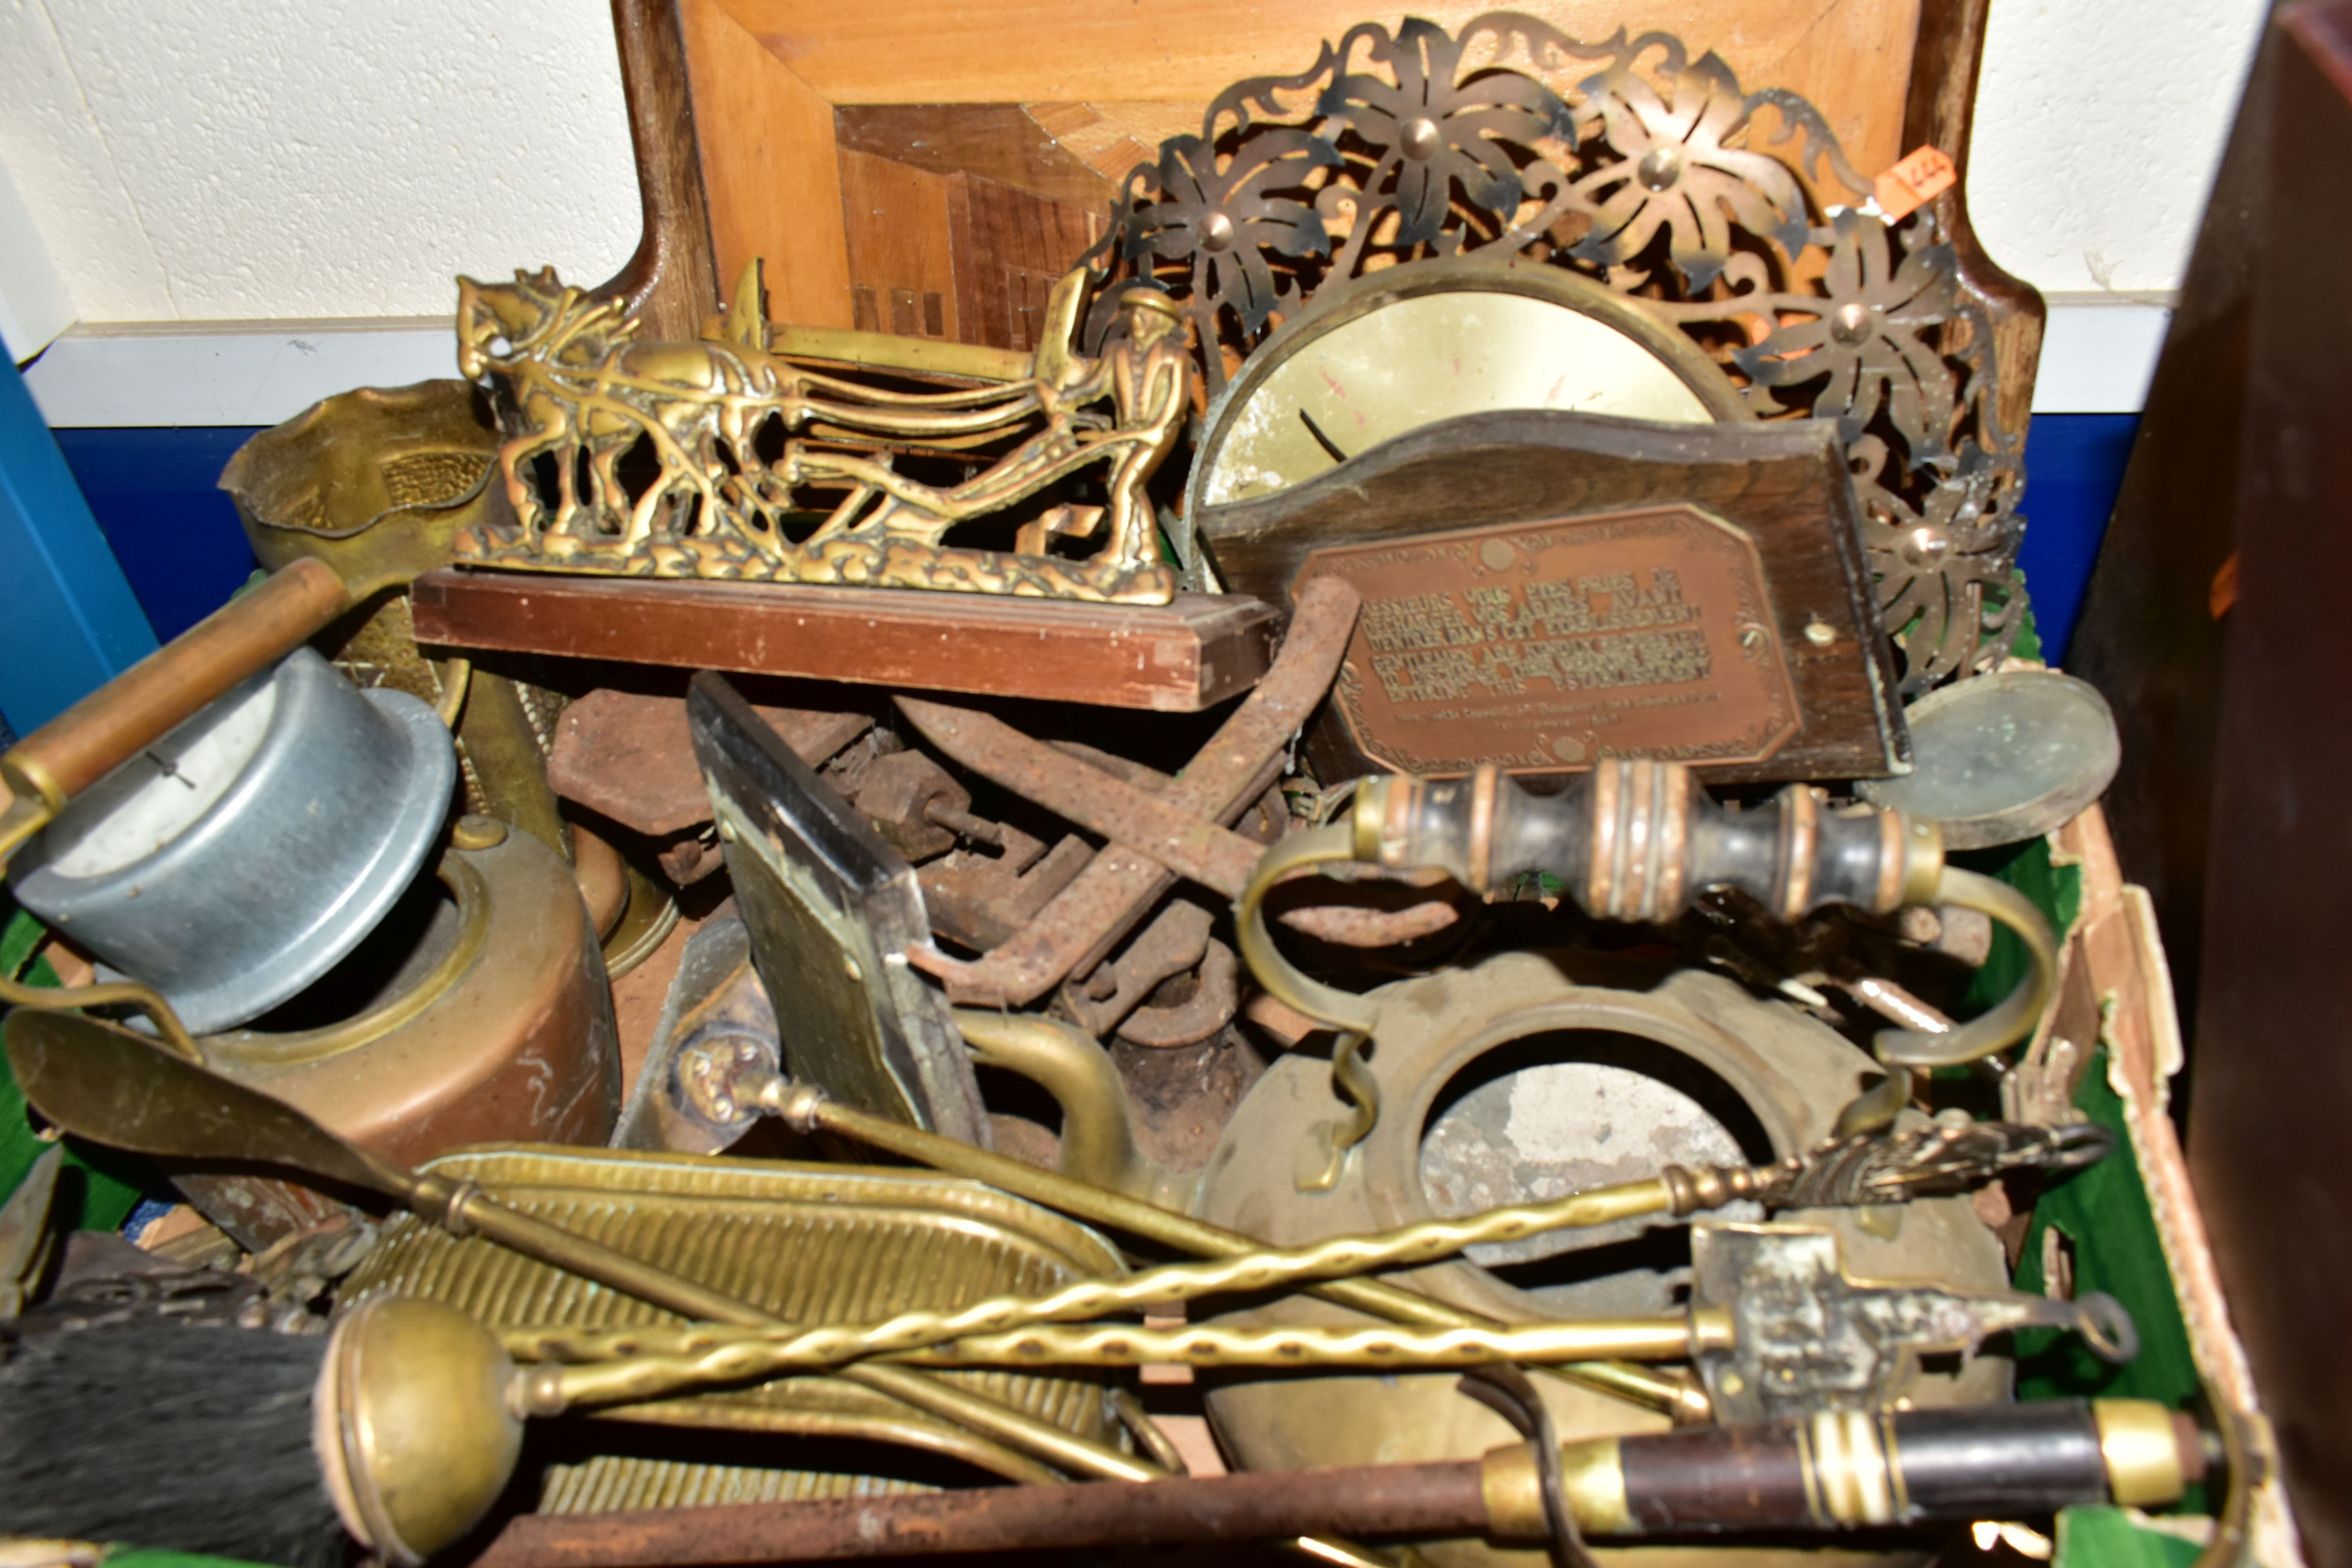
column 107, row 1084
column 1861, row 1168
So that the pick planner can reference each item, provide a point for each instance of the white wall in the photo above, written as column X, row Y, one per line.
column 210, row 160
column 2098, row 124
column 191, row 159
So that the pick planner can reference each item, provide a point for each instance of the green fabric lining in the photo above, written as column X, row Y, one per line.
column 98, row 1187
column 2111, row 1538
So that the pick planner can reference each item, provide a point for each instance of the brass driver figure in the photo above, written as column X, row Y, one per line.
column 1145, row 374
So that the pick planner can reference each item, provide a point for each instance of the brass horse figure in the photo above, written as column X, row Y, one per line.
column 577, row 395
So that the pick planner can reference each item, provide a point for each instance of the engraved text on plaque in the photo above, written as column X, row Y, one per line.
column 1546, row 646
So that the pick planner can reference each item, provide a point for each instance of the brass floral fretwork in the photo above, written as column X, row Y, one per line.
column 1733, row 214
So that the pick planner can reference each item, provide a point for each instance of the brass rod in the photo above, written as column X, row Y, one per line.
column 472, row 1212
column 107, row 994
column 147, row 701
column 1653, row 1391
column 626, row 1365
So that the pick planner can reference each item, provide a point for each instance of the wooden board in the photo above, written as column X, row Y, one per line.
column 1177, row 659
column 1735, row 549
column 1851, row 57
column 953, row 257
column 769, row 166
column 996, row 142
column 902, row 272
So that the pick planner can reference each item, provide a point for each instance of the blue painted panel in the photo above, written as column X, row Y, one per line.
column 2073, row 468
column 69, row 621
column 156, row 493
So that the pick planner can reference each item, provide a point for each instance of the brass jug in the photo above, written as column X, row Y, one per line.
column 1524, row 1076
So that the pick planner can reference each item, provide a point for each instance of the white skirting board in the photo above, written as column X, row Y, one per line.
column 2098, row 359
column 228, row 372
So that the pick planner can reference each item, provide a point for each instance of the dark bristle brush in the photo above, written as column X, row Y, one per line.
column 162, row 1434
column 398, row 1427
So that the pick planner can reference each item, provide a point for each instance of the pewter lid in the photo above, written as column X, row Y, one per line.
column 2003, row 757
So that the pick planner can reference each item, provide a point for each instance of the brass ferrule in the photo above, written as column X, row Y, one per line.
column 1893, row 861
column 448, row 1203
column 1850, row 1476
column 1923, row 859
column 1512, row 1486
column 799, row 1106
column 2140, row 1441
column 327, row 1440
column 1378, row 816
column 31, row 782
column 537, row 1390
column 1801, row 814
column 1712, row 1329
column 1486, row 784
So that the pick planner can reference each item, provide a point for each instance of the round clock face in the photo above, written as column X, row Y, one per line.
column 160, row 794
column 1386, row 355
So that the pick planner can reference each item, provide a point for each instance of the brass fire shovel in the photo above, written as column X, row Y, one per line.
column 593, row 1238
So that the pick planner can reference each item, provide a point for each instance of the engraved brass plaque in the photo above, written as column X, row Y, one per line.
column 1546, row 646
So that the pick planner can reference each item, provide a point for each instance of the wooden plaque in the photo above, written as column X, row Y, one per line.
column 1544, row 589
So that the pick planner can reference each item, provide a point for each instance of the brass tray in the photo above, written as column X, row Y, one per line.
column 830, row 1244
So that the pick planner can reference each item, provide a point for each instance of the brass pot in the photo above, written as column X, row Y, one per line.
column 1574, row 1069
column 496, row 1026
column 377, row 483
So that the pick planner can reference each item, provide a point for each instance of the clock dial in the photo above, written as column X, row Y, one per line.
column 1413, row 345
column 160, row 794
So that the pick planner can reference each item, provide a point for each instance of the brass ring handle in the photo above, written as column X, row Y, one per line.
column 2017, row 1013
column 1341, row 1010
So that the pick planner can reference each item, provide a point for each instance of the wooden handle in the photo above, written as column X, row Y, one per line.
column 141, row 705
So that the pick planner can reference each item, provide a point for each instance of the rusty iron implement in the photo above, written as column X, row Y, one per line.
column 1190, row 846
column 1078, row 928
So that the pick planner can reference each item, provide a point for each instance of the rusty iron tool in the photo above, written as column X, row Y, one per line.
column 1176, row 940
column 1151, row 824
column 983, row 900
column 1138, row 818
column 1079, row 927
column 1818, row 1475
column 1215, row 998
column 630, row 756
